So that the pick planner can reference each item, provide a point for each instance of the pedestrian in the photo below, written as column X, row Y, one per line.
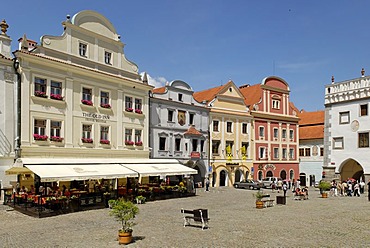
column 279, row 185
column 356, row 189
column 207, row 184
column 362, row 187
column 368, row 189
column 285, row 188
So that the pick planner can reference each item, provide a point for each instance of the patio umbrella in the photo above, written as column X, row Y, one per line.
column 17, row 170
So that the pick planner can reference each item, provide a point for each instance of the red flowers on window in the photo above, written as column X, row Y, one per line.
column 87, row 102
column 40, row 137
column 86, row 140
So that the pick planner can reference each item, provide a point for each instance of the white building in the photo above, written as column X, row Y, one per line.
column 347, row 124
column 179, row 127
column 311, row 146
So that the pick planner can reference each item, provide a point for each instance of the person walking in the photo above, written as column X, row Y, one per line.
column 368, row 189
column 207, row 183
column 356, row 189
column 285, row 188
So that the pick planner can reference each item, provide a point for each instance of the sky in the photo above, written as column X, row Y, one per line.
column 206, row 43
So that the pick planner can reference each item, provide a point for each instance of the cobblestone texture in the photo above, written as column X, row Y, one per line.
column 235, row 222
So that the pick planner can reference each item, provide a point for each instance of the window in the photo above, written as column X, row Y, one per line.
column 307, row 152
column 276, row 152
column 177, row 144
column 162, row 143
column 363, row 110
column 363, row 140
column 338, row 143
column 215, row 146
column 40, row 87
column 291, row 174
column 276, row 133
column 229, row 148
column 82, row 49
column 55, row 128
column 86, row 94
column 104, row 133
column 40, row 126
column 244, row 128
column 244, row 149
column 284, row 153
column 179, row 97
column 301, row 152
column 215, row 126
column 291, row 153
column 86, row 131
column 104, row 99
column 128, row 135
column 195, row 144
column 344, row 118
column 321, row 151
column 108, row 57
column 202, row 145
column 229, row 126
column 138, row 104
column 260, row 175
column 170, row 115
column 283, row 134
column 291, row 134
column 128, row 103
column 191, row 118
column 275, row 104
column 262, row 131
column 138, row 137
column 55, row 89
column 262, row 152
column 315, row 151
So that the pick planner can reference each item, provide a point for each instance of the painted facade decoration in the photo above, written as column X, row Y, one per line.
column 275, row 130
column 179, row 127
column 231, row 154
column 346, row 137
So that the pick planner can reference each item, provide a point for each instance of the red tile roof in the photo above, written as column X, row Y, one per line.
column 252, row 94
column 207, row 95
column 311, row 132
column 160, row 90
column 193, row 131
column 311, row 118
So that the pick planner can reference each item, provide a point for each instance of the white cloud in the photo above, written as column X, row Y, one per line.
column 156, row 82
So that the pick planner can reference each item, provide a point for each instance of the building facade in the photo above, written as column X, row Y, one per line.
column 275, row 129
column 8, row 110
column 231, row 154
column 311, row 146
column 347, row 121
column 179, row 127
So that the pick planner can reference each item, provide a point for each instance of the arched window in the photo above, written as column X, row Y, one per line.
column 260, row 175
column 291, row 174
column 269, row 174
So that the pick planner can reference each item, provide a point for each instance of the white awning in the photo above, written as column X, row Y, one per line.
column 160, row 169
column 69, row 172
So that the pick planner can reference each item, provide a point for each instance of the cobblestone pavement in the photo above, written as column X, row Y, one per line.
column 235, row 222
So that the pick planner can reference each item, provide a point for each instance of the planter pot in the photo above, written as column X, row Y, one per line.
column 259, row 204
column 324, row 195
column 124, row 238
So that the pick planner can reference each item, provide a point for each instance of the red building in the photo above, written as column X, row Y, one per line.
column 275, row 125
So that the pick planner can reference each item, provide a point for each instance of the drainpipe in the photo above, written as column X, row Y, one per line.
column 18, row 138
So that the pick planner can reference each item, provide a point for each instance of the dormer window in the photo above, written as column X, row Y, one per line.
column 275, row 104
column 108, row 58
column 82, row 49
column 180, row 97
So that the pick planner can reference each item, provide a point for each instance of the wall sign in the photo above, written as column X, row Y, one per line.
column 95, row 117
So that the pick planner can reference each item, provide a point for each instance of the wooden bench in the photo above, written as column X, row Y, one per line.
column 197, row 215
column 267, row 203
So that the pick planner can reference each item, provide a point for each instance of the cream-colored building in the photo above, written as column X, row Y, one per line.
column 82, row 101
column 230, row 134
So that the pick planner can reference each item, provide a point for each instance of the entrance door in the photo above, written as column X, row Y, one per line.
column 198, row 177
column 302, row 179
column 269, row 174
column 312, row 180
column 214, row 179
column 222, row 178
column 237, row 176
column 283, row 174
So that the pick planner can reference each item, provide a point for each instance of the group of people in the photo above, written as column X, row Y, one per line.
column 347, row 187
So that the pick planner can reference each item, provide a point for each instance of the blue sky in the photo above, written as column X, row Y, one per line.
column 208, row 42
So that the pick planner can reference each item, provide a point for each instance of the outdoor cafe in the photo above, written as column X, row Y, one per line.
column 47, row 187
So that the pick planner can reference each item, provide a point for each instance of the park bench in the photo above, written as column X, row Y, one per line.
column 267, row 202
column 197, row 215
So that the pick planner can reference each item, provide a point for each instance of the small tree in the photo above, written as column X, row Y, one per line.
column 124, row 212
column 324, row 186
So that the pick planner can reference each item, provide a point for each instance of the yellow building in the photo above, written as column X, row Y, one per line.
column 230, row 134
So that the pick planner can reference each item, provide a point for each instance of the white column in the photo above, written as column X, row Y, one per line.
column 68, row 123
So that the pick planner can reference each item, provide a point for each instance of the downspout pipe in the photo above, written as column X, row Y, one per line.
column 18, row 138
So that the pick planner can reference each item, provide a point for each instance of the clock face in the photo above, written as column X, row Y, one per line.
column 355, row 125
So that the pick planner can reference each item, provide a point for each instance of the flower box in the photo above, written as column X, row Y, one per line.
column 140, row 143
column 56, row 97
column 87, row 102
column 86, row 140
column 105, row 105
column 129, row 109
column 56, row 138
column 40, row 137
column 138, row 111
column 129, row 142
column 40, row 94
column 105, row 142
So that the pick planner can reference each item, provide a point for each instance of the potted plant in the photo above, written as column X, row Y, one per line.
column 324, row 186
column 140, row 199
column 125, row 213
column 259, row 196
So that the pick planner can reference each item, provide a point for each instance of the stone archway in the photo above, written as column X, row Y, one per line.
column 351, row 169
column 238, row 176
column 197, row 177
column 223, row 178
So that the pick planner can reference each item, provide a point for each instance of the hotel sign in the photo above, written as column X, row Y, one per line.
column 95, row 117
